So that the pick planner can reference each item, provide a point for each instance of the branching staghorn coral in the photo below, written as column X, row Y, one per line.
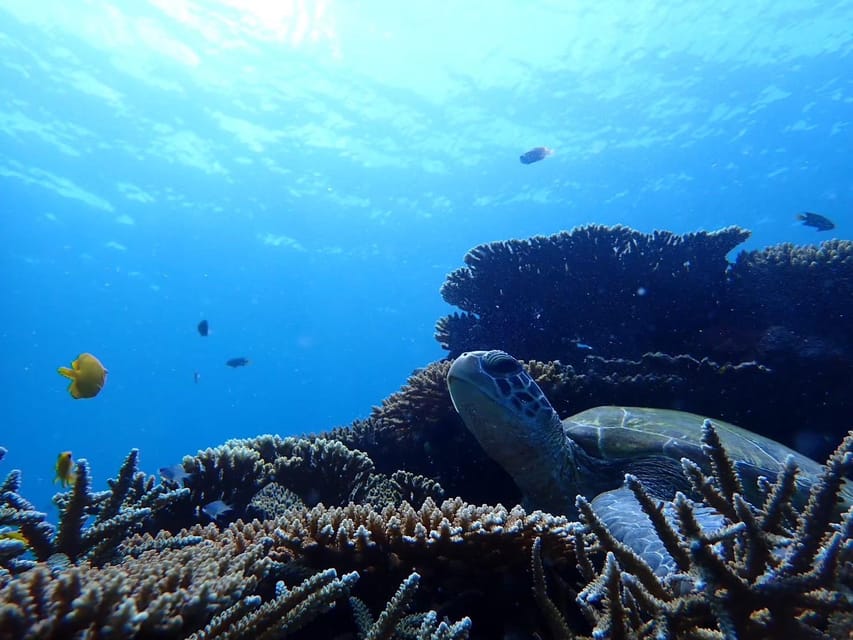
column 166, row 589
column 21, row 526
column 91, row 525
column 132, row 499
column 457, row 549
column 383, row 627
column 427, row 627
column 769, row 573
column 288, row 612
column 554, row 620
column 393, row 623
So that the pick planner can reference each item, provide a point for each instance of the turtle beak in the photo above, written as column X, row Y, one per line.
column 466, row 382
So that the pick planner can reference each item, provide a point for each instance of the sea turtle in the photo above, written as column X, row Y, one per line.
column 553, row 460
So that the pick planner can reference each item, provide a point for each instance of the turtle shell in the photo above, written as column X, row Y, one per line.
column 613, row 434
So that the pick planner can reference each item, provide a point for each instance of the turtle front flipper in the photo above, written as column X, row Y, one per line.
column 623, row 516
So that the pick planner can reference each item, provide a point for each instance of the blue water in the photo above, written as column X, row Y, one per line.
column 304, row 174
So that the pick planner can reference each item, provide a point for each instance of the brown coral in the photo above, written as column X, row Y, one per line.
column 174, row 585
column 457, row 548
column 416, row 429
column 410, row 414
column 470, row 561
column 168, row 591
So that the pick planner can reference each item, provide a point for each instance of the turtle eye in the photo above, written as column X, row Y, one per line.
column 501, row 363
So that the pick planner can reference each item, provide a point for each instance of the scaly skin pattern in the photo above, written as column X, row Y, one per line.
column 589, row 454
column 515, row 424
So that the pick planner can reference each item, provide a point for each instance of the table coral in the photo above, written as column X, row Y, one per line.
column 600, row 294
column 614, row 289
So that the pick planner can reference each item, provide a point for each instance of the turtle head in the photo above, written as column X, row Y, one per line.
column 515, row 424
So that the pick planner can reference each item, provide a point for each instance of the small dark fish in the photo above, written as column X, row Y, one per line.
column 215, row 509
column 175, row 473
column 535, row 155
column 203, row 328
column 819, row 222
column 237, row 362
column 196, row 376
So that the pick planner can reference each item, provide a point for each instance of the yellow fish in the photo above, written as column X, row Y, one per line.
column 87, row 376
column 65, row 469
column 14, row 535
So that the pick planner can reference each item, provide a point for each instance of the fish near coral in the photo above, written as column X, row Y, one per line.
column 819, row 222
column 174, row 474
column 215, row 509
column 14, row 535
column 535, row 155
column 65, row 470
column 87, row 376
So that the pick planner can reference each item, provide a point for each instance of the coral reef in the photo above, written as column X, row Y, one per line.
column 153, row 590
column 418, row 626
column 803, row 290
column 289, row 611
column 323, row 530
column 313, row 470
column 769, row 573
column 17, row 514
column 469, row 571
column 230, row 582
column 91, row 525
column 418, row 430
column 601, row 295
column 620, row 291
column 456, row 548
